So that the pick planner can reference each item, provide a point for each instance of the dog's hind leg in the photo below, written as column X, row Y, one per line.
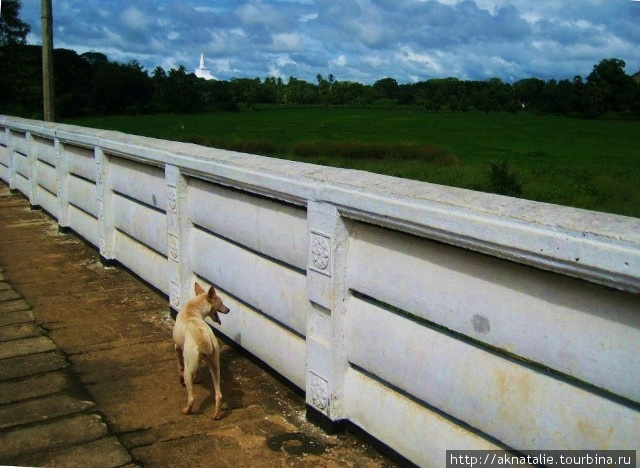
column 191, row 362
column 189, row 384
column 214, row 367
column 180, row 363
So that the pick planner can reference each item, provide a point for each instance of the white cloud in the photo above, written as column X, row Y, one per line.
column 134, row 18
column 362, row 40
column 375, row 61
column 262, row 14
column 206, row 9
column 309, row 17
column 223, row 66
column 423, row 59
column 284, row 60
column 289, row 42
column 341, row 61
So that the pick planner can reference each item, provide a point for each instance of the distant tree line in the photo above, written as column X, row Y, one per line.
column 91, row 84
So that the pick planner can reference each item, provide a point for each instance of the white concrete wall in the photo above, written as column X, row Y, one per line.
column 434, row 318
column 46, row 181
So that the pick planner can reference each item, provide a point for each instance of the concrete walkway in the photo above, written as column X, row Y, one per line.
column 45, row 414
column 88, row 376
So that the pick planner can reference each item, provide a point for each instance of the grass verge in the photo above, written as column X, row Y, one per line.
column 592, row 164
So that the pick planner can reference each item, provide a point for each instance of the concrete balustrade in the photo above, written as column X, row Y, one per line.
column 44, row 186
column 434, row 318
column 5, row 164
column 503, row 305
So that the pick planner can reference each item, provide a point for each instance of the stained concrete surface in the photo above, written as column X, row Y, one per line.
column 88, row 375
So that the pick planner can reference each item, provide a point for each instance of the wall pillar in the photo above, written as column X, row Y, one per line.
column 104, row 193
column 32, row 162
column 62, row 193
column 178, row 229
column 326, row 290
column 11, row 148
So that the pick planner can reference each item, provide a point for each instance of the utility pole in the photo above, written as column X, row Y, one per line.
column 48, row 93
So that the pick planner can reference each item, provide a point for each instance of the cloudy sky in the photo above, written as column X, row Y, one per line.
column 355, row 40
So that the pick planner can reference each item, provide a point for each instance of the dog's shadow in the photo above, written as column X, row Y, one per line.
column 232, row 393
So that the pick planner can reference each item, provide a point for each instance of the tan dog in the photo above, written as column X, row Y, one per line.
column 195, row 342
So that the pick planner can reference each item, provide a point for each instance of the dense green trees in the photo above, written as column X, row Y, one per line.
column 91, row 84
column 12, row 29
column 610, row 88
column 20, row 79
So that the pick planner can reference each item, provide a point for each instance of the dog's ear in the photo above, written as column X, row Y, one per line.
column 212, row 293
column 198, row 289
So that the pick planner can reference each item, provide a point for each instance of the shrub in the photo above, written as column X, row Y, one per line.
column 196, row 139
column 259, row 146
column 373, row 151
column 502, row 180
column 537, row 154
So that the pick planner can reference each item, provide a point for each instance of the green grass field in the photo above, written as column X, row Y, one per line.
column 592, row 164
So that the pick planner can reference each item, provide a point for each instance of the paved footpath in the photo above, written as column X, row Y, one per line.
column 46, row 416
column 88, row 375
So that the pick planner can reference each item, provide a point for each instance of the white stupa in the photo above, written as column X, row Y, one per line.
column 202, row 71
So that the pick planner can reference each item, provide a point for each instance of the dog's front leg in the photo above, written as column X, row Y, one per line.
column 180, row 363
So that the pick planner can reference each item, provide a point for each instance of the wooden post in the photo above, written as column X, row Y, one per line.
column 47, row 61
